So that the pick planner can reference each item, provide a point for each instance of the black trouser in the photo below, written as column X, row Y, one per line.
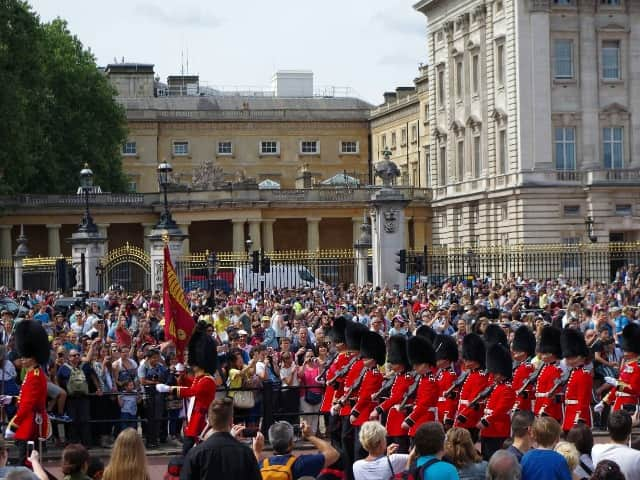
column 403, row 442
column 21, row 446
column 475, row 434
column 358, row 452
column 490, row 445
column 334, row 431
column 187, row 444
column 79, row 430
column 348, row 442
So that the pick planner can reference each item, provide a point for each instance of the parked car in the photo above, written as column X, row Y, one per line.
column 17, row 310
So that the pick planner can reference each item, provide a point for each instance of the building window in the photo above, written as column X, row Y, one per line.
column 384, row 141
column 611, row 3
column 612, row 148
column 500, row 64
column 393, row 139
column 129, row 148
column 181, row 148
column 460, row 160
column 565, row 143
column 132, row 186
column 441, row 88
column 624, row 210
column 457, row 218
column 563, row 59
column 477, row 161
column 502, row 152
column 349, row 147
column 499, row 6
column 611, row 60
column 440, row 36
column 504, row 212
column 443, row 220
column 571, row 210
column 563, row 2
column 403, row 137
column 309, row 147
column 475, row 73
column 269, row 147
column 225, row 148
column 414, row 133
column 426, row 112
column 442, row 167
column 459, row 79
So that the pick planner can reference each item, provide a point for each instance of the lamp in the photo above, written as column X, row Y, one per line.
column 588, row 223
column 86, row 185
column 211, row 268
column 248, row 244
column 166, row 221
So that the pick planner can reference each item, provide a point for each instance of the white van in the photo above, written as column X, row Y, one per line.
column 281, row 276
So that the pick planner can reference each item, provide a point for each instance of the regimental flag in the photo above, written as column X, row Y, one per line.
column 178, row 323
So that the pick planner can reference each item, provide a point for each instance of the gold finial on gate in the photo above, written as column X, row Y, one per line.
column 165, row 236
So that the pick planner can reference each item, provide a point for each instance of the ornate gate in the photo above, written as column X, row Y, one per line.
column 127, row 267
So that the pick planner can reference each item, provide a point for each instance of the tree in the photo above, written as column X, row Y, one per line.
column 58, row 108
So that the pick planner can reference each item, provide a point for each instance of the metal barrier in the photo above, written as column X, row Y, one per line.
column 7, row 275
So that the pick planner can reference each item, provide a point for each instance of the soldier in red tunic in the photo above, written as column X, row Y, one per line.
column 523, row 349
column 334, row 381
column 446, row 356
column 372, row 352
column 31, row 422
column 626, row 390
column 203, row 359
column 548, row 397
column 474, row 357
column 495, row 424
column 422, row 403
column 577, row 395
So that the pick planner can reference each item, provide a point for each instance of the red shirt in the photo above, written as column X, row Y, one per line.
column 371, row 383
column 330, row 392
column 447, row 407
column 203, row 388
column 577, row 399
column 395, row 418
column 628, row 389
column 32, row 402
column 424, row 405
column 520, row 375
column 549, row 374
column 475, row 383
column 352, row 377
column 496, row 417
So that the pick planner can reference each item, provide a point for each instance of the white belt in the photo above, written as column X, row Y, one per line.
column 465, row 402
column 442, row 399
column 540, row 395
column 571, row 402
column 624, row 394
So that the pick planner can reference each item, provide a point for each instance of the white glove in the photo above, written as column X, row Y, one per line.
column 611, row 381
column 162, row 388
column 599, row 407
column 6, row 399
column 9, row 434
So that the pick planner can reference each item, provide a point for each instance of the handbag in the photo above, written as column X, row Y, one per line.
column 244, row 399
column 312, row 398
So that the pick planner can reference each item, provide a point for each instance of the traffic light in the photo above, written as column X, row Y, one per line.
column 72, row 279
column 61, row 274
column 402, row 261
column 419, row 264
column 265, row 266
column 255, row 262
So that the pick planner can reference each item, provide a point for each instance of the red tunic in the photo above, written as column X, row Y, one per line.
column 424, row 405
column 497, row 412
column 520, row 375
column 329, row 392
column 32, row 404
column 577, row 399
column 371, row 383
column 549, row 374
column 475, row 383
column 394, row 417
column 352, row 377
column 203, row 389
column 628, row 393
column 447, row 407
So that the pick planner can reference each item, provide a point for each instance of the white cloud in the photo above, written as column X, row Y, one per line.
column 180, row 15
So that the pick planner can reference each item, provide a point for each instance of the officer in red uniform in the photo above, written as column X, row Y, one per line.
column 446, row 356
column 495, row 424
column 398, row 359
column 577, row 395
column 373, row 353
column 203, row 359
column 626, row 390
column 474, row 357
column 334, row 381
column 548, row 397
column 422, row 403
column 523, row 349
column 31, row 422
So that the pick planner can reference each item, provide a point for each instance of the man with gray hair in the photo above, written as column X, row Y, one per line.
column 281, row 437
column 503, row 466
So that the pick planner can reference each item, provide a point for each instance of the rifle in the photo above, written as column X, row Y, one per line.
column 343, row 371
column 385, row 388
column 531, row 379
column 560, row 382
column 323, row 374
column 353, row 387
column 461, row 379
column 410, row 391
column 475, row 403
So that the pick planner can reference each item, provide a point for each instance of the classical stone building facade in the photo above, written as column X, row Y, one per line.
column 533, row 116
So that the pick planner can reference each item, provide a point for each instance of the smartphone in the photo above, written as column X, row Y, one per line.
column 249, row 432
column 30, row 447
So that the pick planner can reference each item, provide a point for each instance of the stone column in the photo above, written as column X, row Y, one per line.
column 186, row 245
column 5, row 242
column 238, row 234
column 267, row 235
column 93, row 246
column 53, row 236
column 157, row 238
column 313, row 234
column 356, row 222
column 254, row 233
column 103, row 229
column 147, row 231
column 388, row 237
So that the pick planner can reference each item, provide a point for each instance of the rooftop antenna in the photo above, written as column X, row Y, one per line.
column 187, row 60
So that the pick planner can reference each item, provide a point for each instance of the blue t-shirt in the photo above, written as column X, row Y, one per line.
column 304, row 466
column 538, row 464
column 438, row 471
column 621, row 322
column 42, row 317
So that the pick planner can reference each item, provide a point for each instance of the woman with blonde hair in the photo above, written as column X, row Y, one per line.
column 459, row 450
column 382, row 462
column 128, row 458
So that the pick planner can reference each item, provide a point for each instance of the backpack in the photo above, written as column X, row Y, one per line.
column 77, row 383
column 277, row 472
column 414, row 473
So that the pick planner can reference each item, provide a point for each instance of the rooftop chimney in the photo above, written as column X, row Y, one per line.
column 293, row 83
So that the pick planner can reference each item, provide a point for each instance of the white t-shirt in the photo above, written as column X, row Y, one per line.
column 260, row 369
column 627, row 458
column 378, row 469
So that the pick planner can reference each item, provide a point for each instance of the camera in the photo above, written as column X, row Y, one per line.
column 249, row 432
column 297, row 430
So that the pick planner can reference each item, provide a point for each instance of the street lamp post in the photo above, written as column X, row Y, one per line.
column 211, row 269
column 588, row 223
column 99, row 274
column 86, row 185
column 470, row 274
column 166, row 221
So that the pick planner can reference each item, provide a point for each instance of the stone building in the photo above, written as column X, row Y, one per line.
column 534, row 109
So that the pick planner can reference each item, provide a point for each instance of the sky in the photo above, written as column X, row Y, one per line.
column 371, row 46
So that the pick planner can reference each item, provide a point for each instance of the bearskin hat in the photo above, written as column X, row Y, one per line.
column 427, row 332
column 336, row 334
column 446, row 348
column 524, row 341
column 550, row 341
column 473, row 349
column 499, row 360
column 630, row 341
column 202, row 349
column 32, row 341
column 573, row 344
column 397, row 350
column 495, row 334
column 420, row 350
column 353, row 334
column 372, row 346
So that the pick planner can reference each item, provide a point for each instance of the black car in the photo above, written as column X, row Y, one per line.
column 17, row 310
